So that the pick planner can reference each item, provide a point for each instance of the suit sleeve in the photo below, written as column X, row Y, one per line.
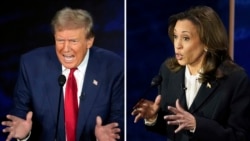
column 117, row 99
column 21, row 93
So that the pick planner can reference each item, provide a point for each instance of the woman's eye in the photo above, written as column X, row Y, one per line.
column 186, row 38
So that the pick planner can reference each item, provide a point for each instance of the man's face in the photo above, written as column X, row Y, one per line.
column 71, row 46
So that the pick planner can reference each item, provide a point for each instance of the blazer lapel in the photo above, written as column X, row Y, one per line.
column 52, row 92
column 91, row 85
column 203, row 94
column 174, row 86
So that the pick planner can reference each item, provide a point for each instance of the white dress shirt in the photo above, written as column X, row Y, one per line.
column 79, row 75
column 192, row 86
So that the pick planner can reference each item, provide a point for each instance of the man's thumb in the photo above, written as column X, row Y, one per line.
column 98, row 120
column 29, row 115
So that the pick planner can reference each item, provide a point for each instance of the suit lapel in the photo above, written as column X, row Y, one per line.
column 53, row 71
column 177, row 88
column 91, row 85
column 203, row 94
column 52, row 91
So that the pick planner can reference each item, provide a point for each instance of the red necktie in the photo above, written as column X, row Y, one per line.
column 71, row 106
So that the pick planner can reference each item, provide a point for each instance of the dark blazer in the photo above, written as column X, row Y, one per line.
column 38, row 90
column 221, row 107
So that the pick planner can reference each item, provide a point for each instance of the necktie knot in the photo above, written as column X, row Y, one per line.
column 72, row 70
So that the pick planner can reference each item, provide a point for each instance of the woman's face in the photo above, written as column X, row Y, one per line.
column 189, row 50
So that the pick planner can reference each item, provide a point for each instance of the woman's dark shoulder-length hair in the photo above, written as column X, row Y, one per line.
column 212, row 34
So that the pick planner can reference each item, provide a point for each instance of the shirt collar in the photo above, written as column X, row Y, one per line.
column 188, row 74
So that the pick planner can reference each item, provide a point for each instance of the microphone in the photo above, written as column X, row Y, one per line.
column 61, row 82
column 183, row 87
column 156, row 81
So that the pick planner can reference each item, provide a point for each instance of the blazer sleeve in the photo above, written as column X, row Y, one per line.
column 21, row 93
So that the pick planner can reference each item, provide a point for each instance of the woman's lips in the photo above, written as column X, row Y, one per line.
column 178, row 56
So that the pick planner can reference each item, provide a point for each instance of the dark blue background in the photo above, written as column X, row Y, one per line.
column 25, row 25
column 148, row 46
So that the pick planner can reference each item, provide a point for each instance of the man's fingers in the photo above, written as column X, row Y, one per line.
column 13, row 118
column 7, row 123
column 10, row 136
column 10, row 117
column 7, row 129
column 115, row 133
column 117, row 136
column 113, row 125
column 116, row 130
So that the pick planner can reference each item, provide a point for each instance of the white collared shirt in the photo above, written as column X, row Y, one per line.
column 79, row 75
column 192, row 86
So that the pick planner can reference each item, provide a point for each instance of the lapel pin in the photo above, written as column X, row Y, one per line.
column 208, row 85
column 95, row 82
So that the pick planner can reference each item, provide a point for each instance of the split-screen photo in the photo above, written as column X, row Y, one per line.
column 125, row 70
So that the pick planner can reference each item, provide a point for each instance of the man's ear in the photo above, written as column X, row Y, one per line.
column 90, row 42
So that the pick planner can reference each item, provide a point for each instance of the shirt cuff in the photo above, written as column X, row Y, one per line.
column 192, row 130
column 150, row 122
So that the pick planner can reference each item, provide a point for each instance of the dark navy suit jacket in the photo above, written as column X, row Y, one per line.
column 38, row 90
column 221, row 107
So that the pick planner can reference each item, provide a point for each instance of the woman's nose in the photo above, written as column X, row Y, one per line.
column 177, row 44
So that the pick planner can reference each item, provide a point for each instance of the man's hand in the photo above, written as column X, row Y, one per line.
column 17, row 127
column 109, row 132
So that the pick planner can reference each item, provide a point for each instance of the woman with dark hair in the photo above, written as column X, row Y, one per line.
column 204, row 95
